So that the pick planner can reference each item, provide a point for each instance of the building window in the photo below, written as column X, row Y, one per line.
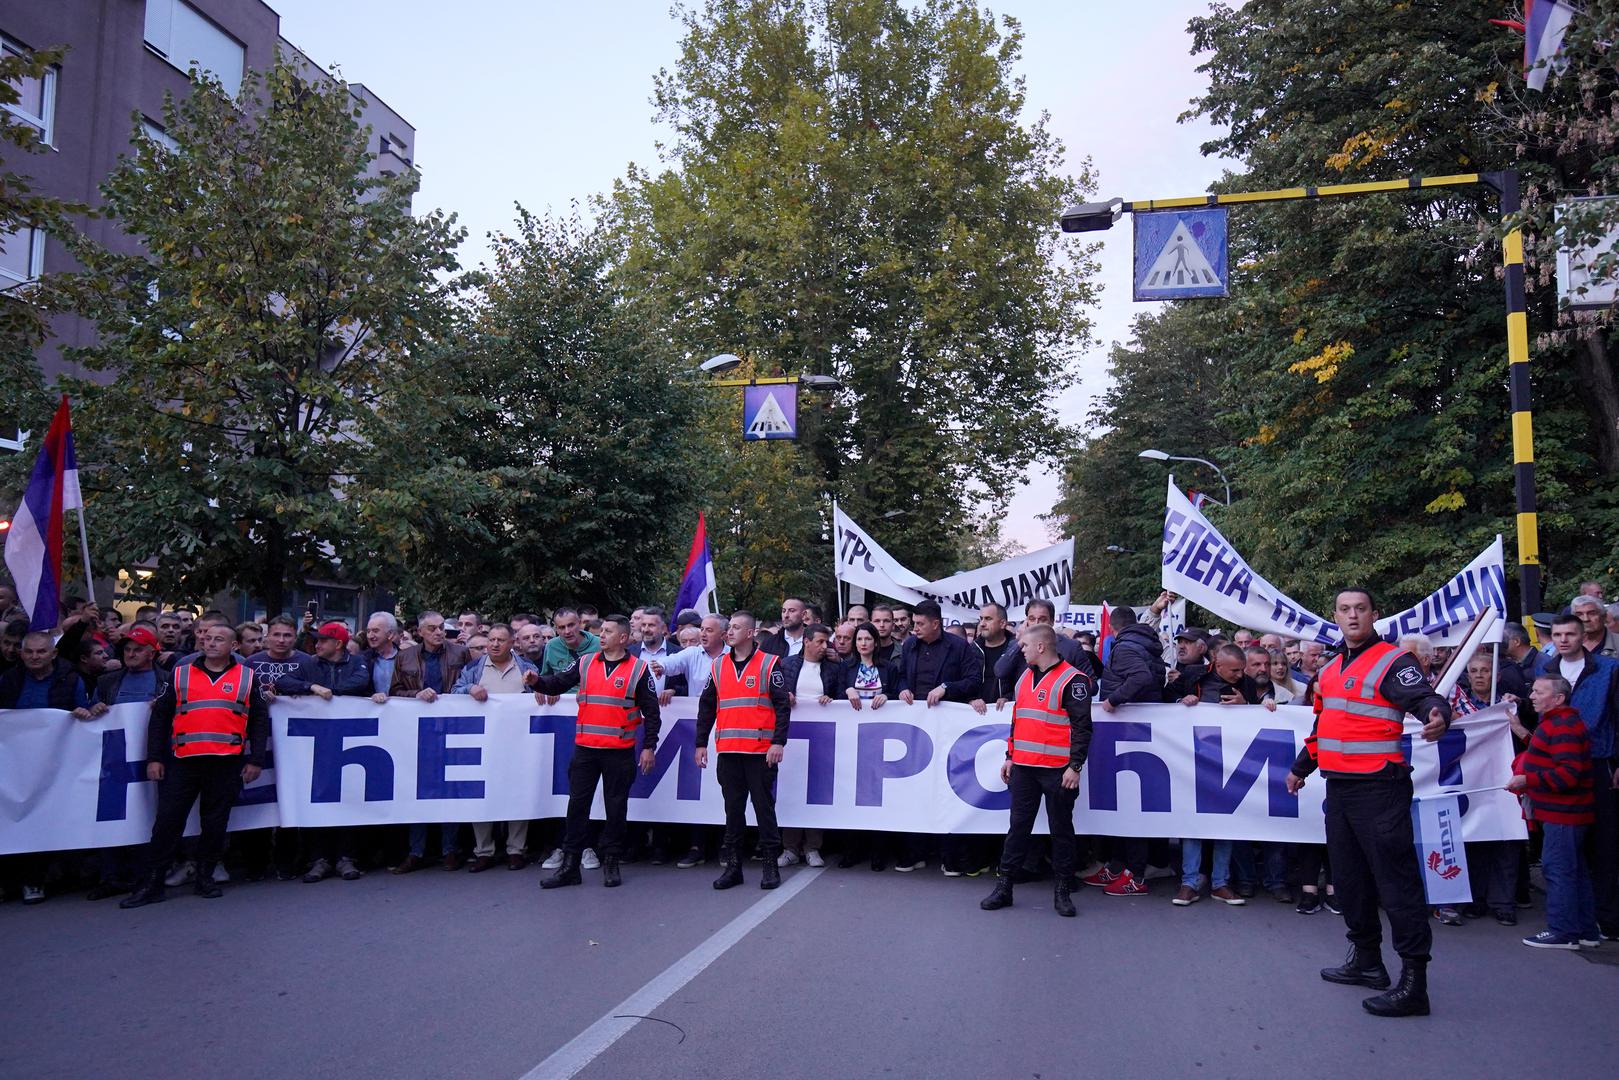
column 22, row 256
column 36, row 97
column 154, row 131
column 180, row 34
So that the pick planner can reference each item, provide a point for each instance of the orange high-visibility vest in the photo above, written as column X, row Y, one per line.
column 745, row 721
column 210, row 718
column 1357, row 729
column 1040, row 727
column 608, row 715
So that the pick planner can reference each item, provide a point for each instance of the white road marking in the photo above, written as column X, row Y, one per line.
column 590, row 1043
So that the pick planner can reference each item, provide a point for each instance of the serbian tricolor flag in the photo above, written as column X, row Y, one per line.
column 1104, row 633
column 1544, row 24
column 34, row 542
column 697, row 589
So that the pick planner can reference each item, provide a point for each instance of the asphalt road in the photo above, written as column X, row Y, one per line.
column 858, row 974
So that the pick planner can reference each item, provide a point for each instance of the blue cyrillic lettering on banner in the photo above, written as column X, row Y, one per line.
column 560, row 728
column 872, row 767
column 117, row 773
column 821, row 738
column 1106, row 763
column 434, row 756
column 678, row 740
column 1273, row 747
column 330, row 757
column 962, row 768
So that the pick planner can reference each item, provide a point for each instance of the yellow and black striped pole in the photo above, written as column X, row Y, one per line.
column 1523, row 428
column 1523, row 443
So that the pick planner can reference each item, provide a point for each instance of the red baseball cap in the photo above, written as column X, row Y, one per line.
column 142, row 635
column 334, row 629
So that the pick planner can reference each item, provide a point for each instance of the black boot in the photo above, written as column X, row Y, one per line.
column 1001, row 897
column 205, row 886
column 611, row 878
column 770, row 873
column 149, row 891
column 566, row 874
column 1062, row 900
column 1409, row 996
column 1362, row 967
column 730, row 871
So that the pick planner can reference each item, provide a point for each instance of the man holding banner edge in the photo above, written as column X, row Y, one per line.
column 1363, row 694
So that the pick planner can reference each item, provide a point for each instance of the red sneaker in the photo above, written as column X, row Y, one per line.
column 1126, row 885
column 1102, row 878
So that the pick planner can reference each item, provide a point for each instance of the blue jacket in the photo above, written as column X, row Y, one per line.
column 474, row 671
column 348, row 677
column 1596, row 698
column 961, row 674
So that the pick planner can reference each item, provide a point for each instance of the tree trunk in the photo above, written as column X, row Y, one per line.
column 273, row 576
column 1599, row 391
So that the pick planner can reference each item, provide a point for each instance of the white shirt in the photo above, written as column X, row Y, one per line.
column 795, row 645
column 662, row 656
column 810, row 684
column 1571, row 669
column 695, row 664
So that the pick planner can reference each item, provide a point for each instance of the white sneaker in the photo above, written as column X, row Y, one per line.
column 588, row 860
column 813, row 858
column 906, row 868
column 553, row 860
column 787, row 858
column 184, row 874
column 221, row 875
column 945, row 870
column 32, row 894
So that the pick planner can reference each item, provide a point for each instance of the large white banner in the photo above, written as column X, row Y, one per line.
column 1211, row 771
column 1040, row 575
column 1201, row 565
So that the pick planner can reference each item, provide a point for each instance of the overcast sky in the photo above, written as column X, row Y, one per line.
column 547, row 103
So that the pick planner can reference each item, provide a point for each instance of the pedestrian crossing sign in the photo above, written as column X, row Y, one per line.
column 1180, row 254
column 770, row 412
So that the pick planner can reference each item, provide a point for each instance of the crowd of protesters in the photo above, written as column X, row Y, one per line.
column 1564, row 697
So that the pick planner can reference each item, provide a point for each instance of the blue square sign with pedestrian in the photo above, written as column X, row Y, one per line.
column 770, row 411
column 1180, row 254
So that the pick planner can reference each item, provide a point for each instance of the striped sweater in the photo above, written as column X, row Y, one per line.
column 1557, row 766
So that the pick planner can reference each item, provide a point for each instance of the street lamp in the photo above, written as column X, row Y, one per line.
column 1159, row 455
column 1092, row 216
column 723, row 362
column 1115, row 549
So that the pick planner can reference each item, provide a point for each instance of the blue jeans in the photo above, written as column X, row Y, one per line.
column 1272, row 860
column 1192, row 863
column 1570, row 899
column 447, row 836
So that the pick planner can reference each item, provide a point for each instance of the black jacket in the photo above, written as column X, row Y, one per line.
column 1009, row 669
column 793, row 666
column 1135, row 667
column 844, row 676
column 1210, row 687
column 65, row 683
column 774, row 644
column 646, row 694
column 160, row 728
column 961, row 673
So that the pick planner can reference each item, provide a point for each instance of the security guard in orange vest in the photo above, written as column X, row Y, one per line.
column 617, row 697
column 1362, row 697
column 1051, row 734
column 746, row 706
column 207, row 736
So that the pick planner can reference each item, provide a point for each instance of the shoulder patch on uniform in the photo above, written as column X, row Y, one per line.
column 1079, row 690
column 776, row 679
column 1410, row 676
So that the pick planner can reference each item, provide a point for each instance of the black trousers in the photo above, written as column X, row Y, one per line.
column 743, row 777
column 616, row 771
column 1602, row 844
column 216, row 779
column 1306, row 863
column 1374, row 860
column 1031, row 783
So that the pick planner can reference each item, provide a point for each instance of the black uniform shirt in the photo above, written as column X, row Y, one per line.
column 1405, row 686
column 646, row 692
column 708, row 705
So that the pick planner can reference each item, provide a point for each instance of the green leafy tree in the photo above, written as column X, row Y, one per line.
column 576, row 420
column 257, row 364
column 854, row 190
column 1361, row 406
